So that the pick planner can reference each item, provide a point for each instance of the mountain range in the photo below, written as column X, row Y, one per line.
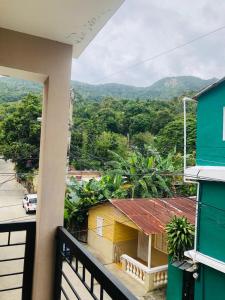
column 12, row 89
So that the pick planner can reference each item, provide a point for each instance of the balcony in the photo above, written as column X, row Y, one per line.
column 78, row 275
column 151, row 278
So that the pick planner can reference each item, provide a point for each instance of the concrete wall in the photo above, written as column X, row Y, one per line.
column 211, row 220
column 123, row 233
column 127, row 247
column 111, row 215
column 120, row 235
column 210, row 145
column 175, row 284
column 210, row 284
column 103, row 247
column 158, row 258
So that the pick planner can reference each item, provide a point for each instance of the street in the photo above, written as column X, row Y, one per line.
column 11, row 195
column 11, row 210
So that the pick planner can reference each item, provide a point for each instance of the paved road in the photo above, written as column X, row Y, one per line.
column 11, row 210
column 11, row 195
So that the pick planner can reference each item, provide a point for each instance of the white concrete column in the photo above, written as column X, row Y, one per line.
column 51, row 186
column 149, row 250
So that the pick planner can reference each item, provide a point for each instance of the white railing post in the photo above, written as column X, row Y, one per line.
column 151, row 278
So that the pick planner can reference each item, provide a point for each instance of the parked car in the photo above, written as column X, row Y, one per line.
column 30, row 203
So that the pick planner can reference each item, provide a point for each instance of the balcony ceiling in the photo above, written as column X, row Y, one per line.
column 74, row 22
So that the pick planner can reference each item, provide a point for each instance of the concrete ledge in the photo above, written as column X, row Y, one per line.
column 206, row 260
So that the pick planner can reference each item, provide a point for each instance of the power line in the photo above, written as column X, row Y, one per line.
column 163, row 53
column 148, row 174
column 7, row 180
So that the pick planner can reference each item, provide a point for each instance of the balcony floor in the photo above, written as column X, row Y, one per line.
column 133, row 285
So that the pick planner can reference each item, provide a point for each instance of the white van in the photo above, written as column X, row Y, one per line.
column 30, row 203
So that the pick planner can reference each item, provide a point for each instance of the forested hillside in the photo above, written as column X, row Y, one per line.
column 99, row 127
column 12, row 89
column 166, row 88
column 136, row 144
column 127, row 125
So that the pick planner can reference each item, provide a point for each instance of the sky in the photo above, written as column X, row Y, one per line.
column 144, row 28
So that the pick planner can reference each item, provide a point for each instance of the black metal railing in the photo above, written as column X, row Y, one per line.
column 17, row 242
column 80, row 276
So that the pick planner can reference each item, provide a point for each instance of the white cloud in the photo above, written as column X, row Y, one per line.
column 144, row 28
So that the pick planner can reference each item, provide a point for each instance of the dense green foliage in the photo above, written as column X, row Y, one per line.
column 137, row 176
column 20, row 132
column 99, row 128
column 12, row 89
column 123, row 126
column 166, row 88
column 180, row 237
column 137, row 144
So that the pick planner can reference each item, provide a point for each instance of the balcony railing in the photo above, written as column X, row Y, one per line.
column 17, row 241
column 80, row 276
column 152, row 278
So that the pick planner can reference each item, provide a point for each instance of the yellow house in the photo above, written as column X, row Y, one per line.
column 131, row 232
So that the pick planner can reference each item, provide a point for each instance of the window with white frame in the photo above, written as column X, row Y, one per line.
column 224, row 124
column 99, row 226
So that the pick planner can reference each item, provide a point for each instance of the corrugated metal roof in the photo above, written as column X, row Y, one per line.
column 151, row 215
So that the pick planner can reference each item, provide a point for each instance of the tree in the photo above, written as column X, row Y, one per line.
column 20, row 133
column 142, row 141
column 110, row 141
column 96, row 123
column 172, row 136
column 161, row 119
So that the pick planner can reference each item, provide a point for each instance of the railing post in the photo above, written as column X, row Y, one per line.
column 58, row 267
column 29, row 262
column 149, row 282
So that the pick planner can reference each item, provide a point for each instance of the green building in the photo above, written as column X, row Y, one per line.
column 208, row 255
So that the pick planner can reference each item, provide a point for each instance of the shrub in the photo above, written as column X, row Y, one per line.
column 180, row 237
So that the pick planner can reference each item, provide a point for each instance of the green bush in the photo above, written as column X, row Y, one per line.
column 180, row 237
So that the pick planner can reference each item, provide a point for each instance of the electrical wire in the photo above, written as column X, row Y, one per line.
column 160, row 54
column 7, row 180
column 162, row 173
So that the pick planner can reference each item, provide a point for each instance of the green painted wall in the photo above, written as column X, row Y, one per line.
column 210, row 144
column 211, row 219
column 175, row 283
column 210, row 285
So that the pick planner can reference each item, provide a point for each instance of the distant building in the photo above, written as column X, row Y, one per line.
column 85, row 175
column 78, row 175
column 132, row 232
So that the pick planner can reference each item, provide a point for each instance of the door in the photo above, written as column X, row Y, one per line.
column 188, row 286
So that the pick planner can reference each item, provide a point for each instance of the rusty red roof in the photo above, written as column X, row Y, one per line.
column 151, row 215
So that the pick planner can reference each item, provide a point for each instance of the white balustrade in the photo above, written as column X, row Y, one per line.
column 159, row 276
column 152, row 278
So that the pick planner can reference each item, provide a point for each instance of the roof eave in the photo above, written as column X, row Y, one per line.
column 208, row 88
